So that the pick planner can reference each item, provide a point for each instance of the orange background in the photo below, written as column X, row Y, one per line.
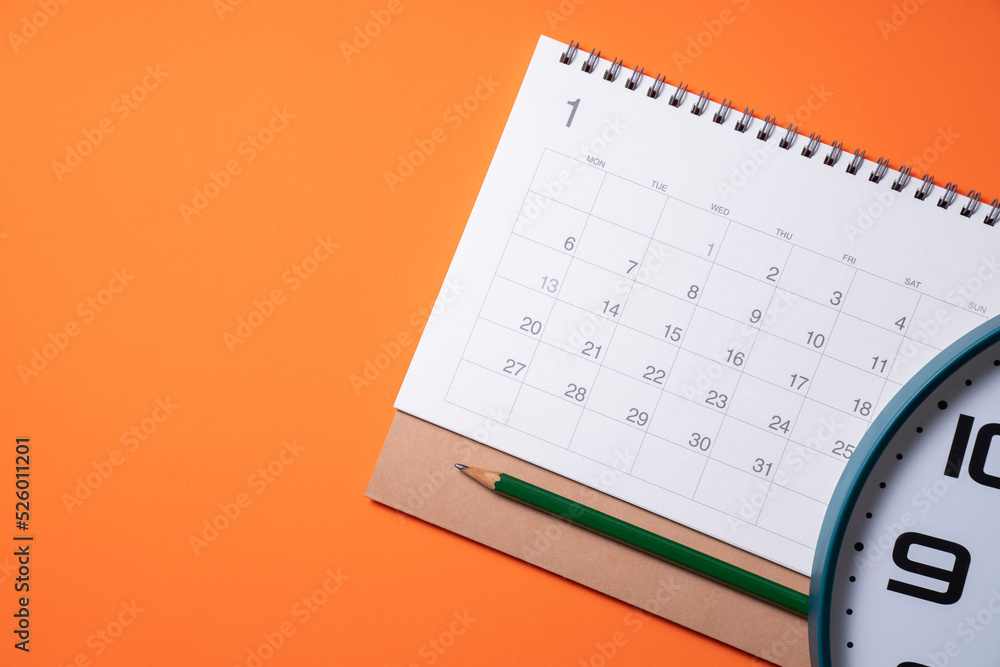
column 113, row 517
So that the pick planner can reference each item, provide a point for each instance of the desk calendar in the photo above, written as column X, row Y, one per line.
column 683, row 306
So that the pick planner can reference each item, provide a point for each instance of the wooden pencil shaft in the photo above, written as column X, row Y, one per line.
column 657, row 545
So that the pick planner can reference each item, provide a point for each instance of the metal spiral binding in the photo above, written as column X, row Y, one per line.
column 949, row 195
column 812, row 146
column 567, row 57
column 634, row 80
column 879, row 171
column 789, row 138
column 856, row 161
column 765, row 132
column 699, row 107
column 835, row 151
column 973, row 204
column 721, row 114
column 654, row 90
column 678, row 96
column 612, row 72
column 925, row 187
column 902, row 180
column 991, row 217
column 744, row 122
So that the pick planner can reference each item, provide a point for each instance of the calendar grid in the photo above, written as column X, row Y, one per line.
column 670, row 369
column 645, row 430
column 902, row 339
column 690, row 345
column 727, row 219
column 773, row 289
column 708, row 277
column 479, row 314
column 763, row 282
column 693, row 402
column 884, row 380
column 645, row 481
column 616, row 321
column 555, row 299
column 805, row 396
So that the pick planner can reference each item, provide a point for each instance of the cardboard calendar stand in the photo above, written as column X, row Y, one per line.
column 415, row 474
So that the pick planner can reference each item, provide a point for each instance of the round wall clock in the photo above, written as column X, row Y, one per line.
column 907, row 567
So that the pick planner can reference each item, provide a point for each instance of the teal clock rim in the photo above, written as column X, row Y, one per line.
column 874, row 442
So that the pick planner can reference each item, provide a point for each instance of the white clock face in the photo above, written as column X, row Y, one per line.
column 917, row 574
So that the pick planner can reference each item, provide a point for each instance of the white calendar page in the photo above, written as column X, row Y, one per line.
column 687, row 317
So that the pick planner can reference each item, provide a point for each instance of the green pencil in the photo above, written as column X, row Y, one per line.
column 651, row 543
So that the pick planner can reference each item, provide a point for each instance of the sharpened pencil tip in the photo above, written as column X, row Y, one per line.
column 460, row 466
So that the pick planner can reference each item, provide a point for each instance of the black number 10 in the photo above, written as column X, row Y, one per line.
column 980, row 451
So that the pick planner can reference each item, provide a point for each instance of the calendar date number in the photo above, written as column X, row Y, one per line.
column 699, row 441
column 717, row 399
column 673, row 333
column 779, row 424
column 762, row 466
column 654, row 374
column 637, row 417
column 513, row 367
column 533, row 327
column 844, row 449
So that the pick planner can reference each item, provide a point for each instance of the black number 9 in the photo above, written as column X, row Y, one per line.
column 955, row 577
